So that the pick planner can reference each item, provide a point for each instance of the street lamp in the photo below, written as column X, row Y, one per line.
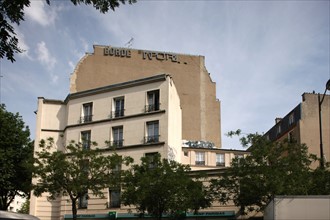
column 327, row 87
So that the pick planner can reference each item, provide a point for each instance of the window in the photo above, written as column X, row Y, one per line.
column 87, row 113
column 151, row 158
column 185, row 153
column 291, row 119
column 200, row 158
column 152, row 132
column 117, row 136
column 220, row 160
column 278, row 129
column 152, row 101
column 118, row 107
column 86, row 139
column 114, row 198
column 83, row 201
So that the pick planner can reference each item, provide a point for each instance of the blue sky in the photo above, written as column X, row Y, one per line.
column 263, row 55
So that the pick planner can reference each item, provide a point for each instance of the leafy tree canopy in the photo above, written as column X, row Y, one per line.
column 74, row 171
column 12, row 12
column 16, row 152
column 160, row 187
column 273, row 168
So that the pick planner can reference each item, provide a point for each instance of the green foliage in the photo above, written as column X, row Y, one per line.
column 163, row 187
column 273, row 168
column 73, row 171
column 16, row 152
column 12, row 11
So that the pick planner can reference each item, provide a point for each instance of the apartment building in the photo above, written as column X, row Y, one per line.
column 302, row 124
column 140, row 103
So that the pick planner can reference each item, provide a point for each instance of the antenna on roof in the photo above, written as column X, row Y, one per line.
column 129, row 43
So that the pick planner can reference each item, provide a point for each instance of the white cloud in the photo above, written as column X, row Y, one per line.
column 44, row 56
column 41, row 13
column 22, row 44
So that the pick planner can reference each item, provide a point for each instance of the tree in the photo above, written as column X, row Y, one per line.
column 16, row 152
column 12, row 12
column 272, row 168
column 75, row 171
column 161, row 187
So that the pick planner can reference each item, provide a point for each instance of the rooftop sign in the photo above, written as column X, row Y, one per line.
column 146, row 55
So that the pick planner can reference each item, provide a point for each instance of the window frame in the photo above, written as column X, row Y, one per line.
column 86, row 142
column 220, row 159
column 153, row 101
column 117, row 202
column 118, row 107
column 199, row 158
column 117, row 139
column 152, row 132
column 87, row 112
column 83, row 201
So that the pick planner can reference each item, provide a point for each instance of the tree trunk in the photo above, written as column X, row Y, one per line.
column 74, row 209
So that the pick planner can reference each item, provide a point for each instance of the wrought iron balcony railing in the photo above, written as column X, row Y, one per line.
column 151, row 139
column 86, row 118
column 117, row 113
column 152, row 107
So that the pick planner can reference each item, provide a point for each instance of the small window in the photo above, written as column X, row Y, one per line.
column 200, row 158
column 291, row 119
column 278, row 129
column 220, row 160
column 185, row 153
column 114, row 198
column 86, row 139
column 87, row 113
column 83, row 201
column 152, row 101
column 152, row 132
column 119, row 107
column 117, row 136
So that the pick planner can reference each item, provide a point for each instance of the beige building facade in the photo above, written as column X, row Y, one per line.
column 139, row 103
column 303, row 125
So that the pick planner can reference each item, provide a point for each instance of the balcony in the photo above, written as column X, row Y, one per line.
column 117, row 143
column 220, row 164
column 117, row 113
column 151, row 139
column 152, row 107
column 86, row 118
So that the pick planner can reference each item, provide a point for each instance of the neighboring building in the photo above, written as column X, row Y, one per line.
column 302, row 125
column 142, row 103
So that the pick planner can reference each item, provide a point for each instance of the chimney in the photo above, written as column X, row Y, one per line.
column 277, row 120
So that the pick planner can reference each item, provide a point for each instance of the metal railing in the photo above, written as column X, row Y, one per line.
column 117, row 143
column 151, row 139
column 152, row 107
column 86, row 118
column 117, row 113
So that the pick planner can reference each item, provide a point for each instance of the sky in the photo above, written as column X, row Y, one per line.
column 263, row 55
